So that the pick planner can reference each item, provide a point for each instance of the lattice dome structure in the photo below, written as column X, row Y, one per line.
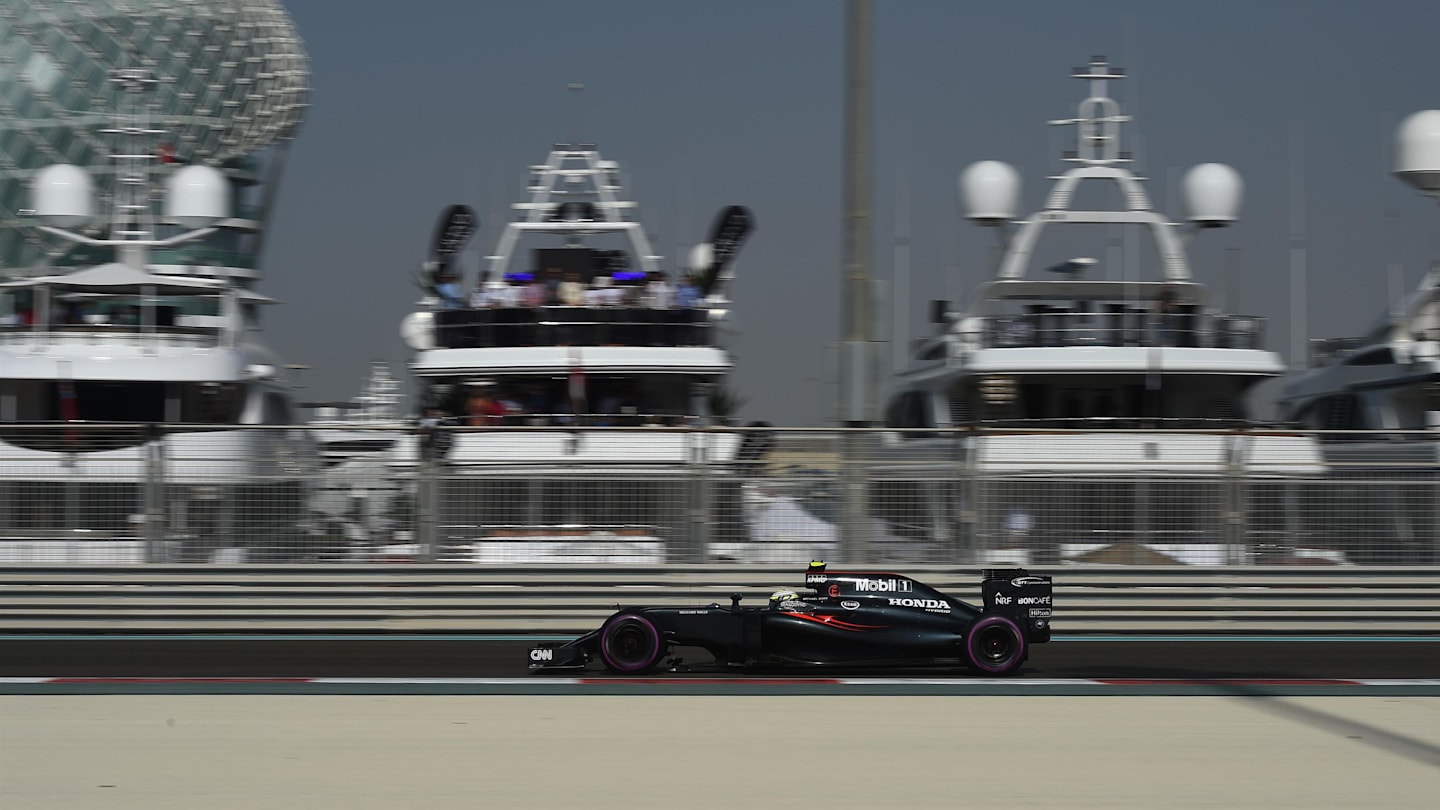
column 232, row 79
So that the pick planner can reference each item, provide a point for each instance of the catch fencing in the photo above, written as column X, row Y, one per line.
column 1102, row 494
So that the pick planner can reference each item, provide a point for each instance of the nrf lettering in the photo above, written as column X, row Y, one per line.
column 542, row 655
column 924, row 604
column 1002, row 599
column 882, row 585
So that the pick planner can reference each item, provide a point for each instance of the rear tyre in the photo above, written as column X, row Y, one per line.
column 631, row 645
column 994, row 645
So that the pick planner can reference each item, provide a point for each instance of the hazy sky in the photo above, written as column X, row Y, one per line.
column 420, row 104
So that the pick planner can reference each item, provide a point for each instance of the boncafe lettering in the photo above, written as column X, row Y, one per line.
column 883, row 585
column 1033, row 600
column 542, row 655
column 926, row 604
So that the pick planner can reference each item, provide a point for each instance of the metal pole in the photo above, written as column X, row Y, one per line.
column 857, row 352
column 577, row 113
column 154, row 496
column 700, row 503
column 426, row 496
column 1297, row 248
column 1230, row 291
column 1234, row 497
column 900, row 284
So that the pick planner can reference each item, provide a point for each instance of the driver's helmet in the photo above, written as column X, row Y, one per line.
column 779, row 599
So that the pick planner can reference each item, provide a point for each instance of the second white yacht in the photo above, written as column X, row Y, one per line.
column 1113, row 403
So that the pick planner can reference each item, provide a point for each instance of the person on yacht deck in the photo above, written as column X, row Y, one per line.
column 658, row 294
column 535, row 294
column 1166, row 320
column 687, row 294
column 596, row 295
column 508, row 296
column 571, row 291
column 482, row 408
column 553, row 279
column 482, row 297
column 448, row 289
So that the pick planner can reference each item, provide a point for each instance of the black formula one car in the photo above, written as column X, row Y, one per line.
column 853, row 618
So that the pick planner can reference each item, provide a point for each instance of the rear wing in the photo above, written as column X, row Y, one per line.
column 1028, row 599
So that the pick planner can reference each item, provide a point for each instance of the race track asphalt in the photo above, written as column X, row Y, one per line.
column 416, row 657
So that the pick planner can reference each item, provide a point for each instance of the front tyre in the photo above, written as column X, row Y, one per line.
column 994, row 645
column 631, row 645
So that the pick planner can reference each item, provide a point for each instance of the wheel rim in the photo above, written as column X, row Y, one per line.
column 630, row 645
column 997, row 644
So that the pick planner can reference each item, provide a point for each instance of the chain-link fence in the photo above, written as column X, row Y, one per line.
column 80, row 493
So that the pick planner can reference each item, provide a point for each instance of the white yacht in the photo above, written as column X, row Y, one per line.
column 1069, row 369
column 1377, row 399
column 1385, row 380
column 1385, row 387
column 583, row 332
column 125, row 393
column 356, row 497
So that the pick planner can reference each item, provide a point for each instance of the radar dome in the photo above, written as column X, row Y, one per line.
column 197, row 196
column 1417, row 151
column 990, row 192
column 701, row 256
column 1212, row 193
column 418, row 331
column 64, row 196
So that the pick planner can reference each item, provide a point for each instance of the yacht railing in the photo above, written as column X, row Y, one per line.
column 1124, row 327
column 194, row 255
column 625, row 418
column 558, row 326
column 1138, row 423
column 129, row 334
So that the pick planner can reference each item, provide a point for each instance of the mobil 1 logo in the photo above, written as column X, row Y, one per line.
column 890, row 585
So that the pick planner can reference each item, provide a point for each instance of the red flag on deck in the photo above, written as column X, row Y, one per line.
column 69, row 410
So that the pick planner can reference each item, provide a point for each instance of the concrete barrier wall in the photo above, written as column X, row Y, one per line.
column 567, row 599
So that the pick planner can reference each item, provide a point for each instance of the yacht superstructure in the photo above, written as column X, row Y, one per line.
column 1386, row 380
column 1069, row 369
column 585, row 333
column 1377, row 400
column 125, row 394
column 356, row 498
